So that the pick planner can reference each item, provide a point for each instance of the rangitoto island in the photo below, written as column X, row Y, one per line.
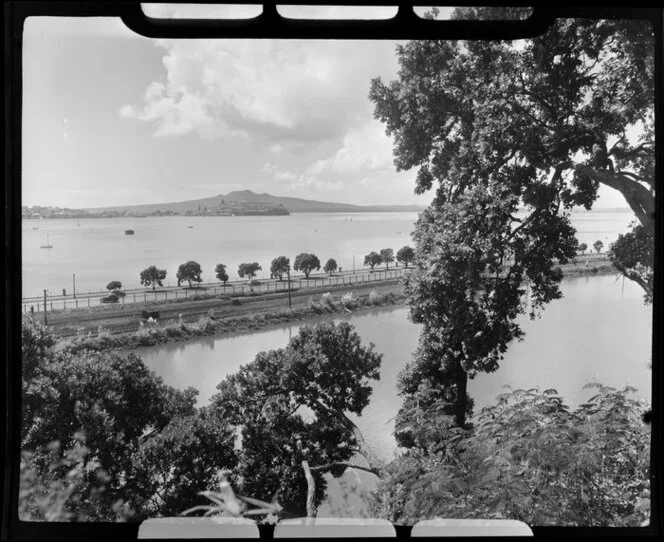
column 237, row 203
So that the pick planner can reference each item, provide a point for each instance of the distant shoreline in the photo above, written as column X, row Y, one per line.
column 167, row 214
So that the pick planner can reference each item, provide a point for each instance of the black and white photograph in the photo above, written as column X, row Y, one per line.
column 353, row 283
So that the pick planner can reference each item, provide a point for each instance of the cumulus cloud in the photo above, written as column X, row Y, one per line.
column 364, row 148
column 299, row 181
column 270, row 90
column 362, row 159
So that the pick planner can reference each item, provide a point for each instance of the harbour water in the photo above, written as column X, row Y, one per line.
column 98, row 251
column 600, row 331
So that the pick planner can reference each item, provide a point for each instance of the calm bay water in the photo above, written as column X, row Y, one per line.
column 98, row 251
column 600, row 331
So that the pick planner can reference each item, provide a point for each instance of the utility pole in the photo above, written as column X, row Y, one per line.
column 290, row 305
column 45, row 319
column 74, row 280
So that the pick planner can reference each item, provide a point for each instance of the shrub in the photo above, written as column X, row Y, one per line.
column 326, row 300
column 349, row 301
column 146, row 336
column 175, row 330
column 236, row 302
column 528, row 458
column 112, row 298
column 205, row 325
column 118, row 293
column 316, row 307
column 375, row 298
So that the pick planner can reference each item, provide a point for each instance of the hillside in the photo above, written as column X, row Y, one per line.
column 294, row 205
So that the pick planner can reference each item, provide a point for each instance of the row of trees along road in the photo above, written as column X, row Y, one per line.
column 191, row 271
column 405, row 255
column 495, row 127
column 597, row 245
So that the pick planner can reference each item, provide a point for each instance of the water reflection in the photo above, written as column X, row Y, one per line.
column 600, row 331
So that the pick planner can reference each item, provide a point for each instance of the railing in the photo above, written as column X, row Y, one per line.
column 315, row 282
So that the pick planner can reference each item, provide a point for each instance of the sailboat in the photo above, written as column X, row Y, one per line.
column 47, row 245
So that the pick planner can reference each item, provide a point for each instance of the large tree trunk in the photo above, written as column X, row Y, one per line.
column 640, row 199
column 637, row 196
column 462, row 397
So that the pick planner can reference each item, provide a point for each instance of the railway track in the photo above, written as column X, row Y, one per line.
column 126, row 319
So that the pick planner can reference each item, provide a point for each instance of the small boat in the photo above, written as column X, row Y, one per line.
column 47, row 245
column 189, row 226
column 129, row 232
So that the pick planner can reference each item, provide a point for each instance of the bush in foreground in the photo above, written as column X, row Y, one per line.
column 527, row 458
column 105, row 439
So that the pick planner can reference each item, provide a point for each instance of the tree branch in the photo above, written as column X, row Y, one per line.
column 638, row 197
column 311, row 490
column 631, row 275
column 372, row 470
column 346, row 422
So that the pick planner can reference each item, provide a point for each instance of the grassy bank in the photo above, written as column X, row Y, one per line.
column 152, row 333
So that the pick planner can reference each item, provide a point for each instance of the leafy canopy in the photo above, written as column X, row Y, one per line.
column 190, row 271
column 132, row 428
column 554, row 117
column 387, row 256
column 153, row 277
column 290, row 404
column 221, row 273
column 279, row 267
column 512, row 138
column 528, row 458
column 405, row 255
column 248, row 269
column 330, row 266
column 306, row 263
column 372, row 260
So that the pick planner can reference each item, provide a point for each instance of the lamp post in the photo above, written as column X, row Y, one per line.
column 74, row 284
column 45, row 318
column 290, row 306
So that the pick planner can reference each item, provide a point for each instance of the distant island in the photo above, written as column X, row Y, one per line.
column 238, row 203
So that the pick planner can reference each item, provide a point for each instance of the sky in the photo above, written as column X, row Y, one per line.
column 113, row 118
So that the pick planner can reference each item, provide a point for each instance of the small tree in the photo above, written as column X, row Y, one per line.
column 582, row 248
column 330, row 266
column 114, row 285
column 153, row 277
column 279, row 266
column 387, row 256
column 221, row 274
column 265, row 400
column 306, row 263
column 189, row 271
column 405, row 255
column 248, row 270
column 372, row 260
column 598, row 246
